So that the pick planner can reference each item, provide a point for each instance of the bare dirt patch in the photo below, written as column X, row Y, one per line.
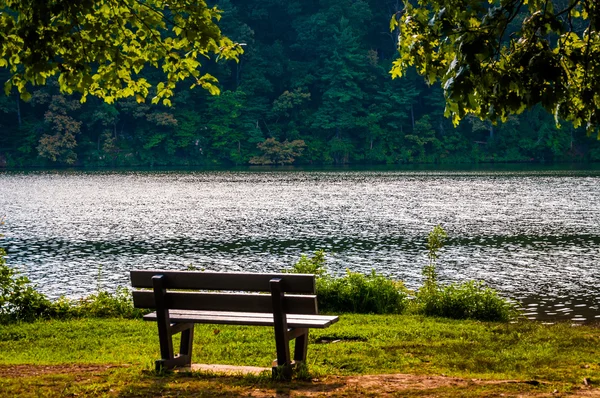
column 401, row 385
column 339, row 386
column 13, row 371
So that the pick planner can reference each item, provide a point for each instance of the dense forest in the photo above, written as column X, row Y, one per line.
column 312, row 87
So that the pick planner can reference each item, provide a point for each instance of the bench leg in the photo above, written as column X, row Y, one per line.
column 163, row 322
column 283, row 351
column 166, row 342
column 187, row 340
column 184, row 358
column 283, row 367
column 173, row 363
column 283, row 370
column 301, row 347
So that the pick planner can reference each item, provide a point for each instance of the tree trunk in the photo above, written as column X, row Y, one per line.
column 571, row 138
column 238, row 73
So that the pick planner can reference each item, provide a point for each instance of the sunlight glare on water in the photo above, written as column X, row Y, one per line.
column 533, row 236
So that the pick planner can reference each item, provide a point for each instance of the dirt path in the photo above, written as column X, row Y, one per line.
column 349, row 386
column 397, row 384
column 40, row 370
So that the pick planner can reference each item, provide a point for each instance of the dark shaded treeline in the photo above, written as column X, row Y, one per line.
column 313, row 87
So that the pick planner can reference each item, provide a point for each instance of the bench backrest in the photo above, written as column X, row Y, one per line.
column 220, row 291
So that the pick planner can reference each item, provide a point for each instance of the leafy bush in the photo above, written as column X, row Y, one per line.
column 19, row 301
column 109, row 305
column 100, row 305
column 468, row 300
column 362, row 294
column 355, row 292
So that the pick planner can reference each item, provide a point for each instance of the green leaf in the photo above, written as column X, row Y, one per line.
column 99, row 43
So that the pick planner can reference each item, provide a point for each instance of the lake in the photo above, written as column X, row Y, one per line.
column 533, row 234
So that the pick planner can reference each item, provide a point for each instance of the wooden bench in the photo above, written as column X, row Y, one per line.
column 184, row 298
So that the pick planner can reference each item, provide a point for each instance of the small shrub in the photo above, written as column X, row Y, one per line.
column 100, row 305
column 362, row 294
column 468, row 300
column 63, row 308
column 313, row 265
column 19, row 301
column 107, row 305
column 354, row 292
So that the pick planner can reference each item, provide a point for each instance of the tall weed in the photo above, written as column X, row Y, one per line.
column 467, row 300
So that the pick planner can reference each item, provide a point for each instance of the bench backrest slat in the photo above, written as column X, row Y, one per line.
column 294, row 304
column 252, row 282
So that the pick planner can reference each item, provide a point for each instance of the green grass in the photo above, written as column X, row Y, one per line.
column 364, row 344
column 558, row 355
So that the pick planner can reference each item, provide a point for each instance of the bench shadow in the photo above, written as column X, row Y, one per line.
column 211, row 385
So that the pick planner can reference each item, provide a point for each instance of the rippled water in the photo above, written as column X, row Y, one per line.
column 535, row 236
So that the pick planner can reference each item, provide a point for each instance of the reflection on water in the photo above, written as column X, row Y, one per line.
column 535, row 236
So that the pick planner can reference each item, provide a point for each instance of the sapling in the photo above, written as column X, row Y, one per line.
column 435, row 241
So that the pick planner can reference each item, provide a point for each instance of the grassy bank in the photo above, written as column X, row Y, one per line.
column 559, row 356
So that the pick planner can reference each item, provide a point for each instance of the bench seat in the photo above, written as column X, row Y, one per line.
column 245, row 318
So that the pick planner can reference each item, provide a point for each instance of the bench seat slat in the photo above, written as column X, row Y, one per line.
column 233, row 281
column 248, row 318
column 251, row 314
column 300, row 304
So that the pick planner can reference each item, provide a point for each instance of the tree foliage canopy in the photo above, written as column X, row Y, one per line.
column 99, row 47
column 312, row 71
column 499, row 57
